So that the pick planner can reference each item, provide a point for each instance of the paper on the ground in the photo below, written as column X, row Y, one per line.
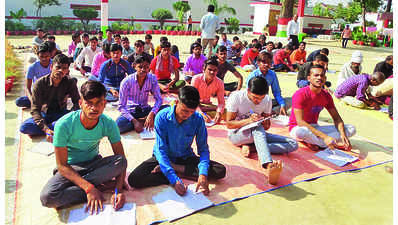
column 210, row 124
column 147, row 134
column 174, row 206
column 337, row 157
column 130, row 139
column 169, row 99
column 124, row 216
column 331, row 71
column 115, row 103
column 43, row 147
column 291, row 72
column 384, row 109
column 281, row 120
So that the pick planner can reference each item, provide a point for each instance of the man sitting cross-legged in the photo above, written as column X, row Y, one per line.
column 87, row 56
column 49, row 99
column 81, row 171
column 307, row 103
column 248, row 106
column 173, row 157
column 194, row 63
column 208, row 85
column 133, row 98
column 224, row 67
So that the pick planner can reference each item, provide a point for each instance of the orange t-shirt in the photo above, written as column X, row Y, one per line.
column 297, row 56
column 165, row 73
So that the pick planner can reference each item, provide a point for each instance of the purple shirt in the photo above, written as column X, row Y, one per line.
column 354, row 86
column 71, row 50
column 99, row 58
column 194, row 64
column 131, row 95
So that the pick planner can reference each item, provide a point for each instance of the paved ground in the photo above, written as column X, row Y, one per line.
column 362, row 197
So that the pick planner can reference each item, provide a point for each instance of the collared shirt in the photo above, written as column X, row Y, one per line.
column 99, row 58
column 106, row 41
column 346, row 72
column 297, row 56
column 37, row 41
column 71, row 49
column 248, row 54
column 280, row 56
column 272, row 80
column 36, row 70
column 354, row 86
column 112, row 74
column 194, row 64
column 209, row 24
column 131, row 95
column 43, row 95
column 384, row 67
column 292, row 28
column 228, row 44
column 87, row 55
column 174, row 140
column 126, row 52
column 208, row 90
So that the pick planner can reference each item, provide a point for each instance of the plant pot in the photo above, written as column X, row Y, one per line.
column 354, row 42
column 372, row 44
column 193, row 32
column 386, row 45
column 149, row 32
column 180, row 32
column 157, row 32
column 58, row 32
column 187, row 33
column 169, row 32
column 163, row 32
column 361, row 43
column 125, row 32
column 199, row 33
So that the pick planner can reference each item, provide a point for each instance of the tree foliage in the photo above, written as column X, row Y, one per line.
column 181, row 8
column 349, row 13
column 85, row 15
column 219, row 9
column 19, row 14
column 368, row 6
column 232, row 24
column 322, row 10
column 161, row 15
column 40, row 4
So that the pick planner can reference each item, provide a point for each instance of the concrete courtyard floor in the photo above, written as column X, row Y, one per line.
column 359, row 197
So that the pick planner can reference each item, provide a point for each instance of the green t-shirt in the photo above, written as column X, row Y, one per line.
column 83, row 144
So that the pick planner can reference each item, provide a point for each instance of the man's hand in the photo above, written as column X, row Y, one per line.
column 114, row 93
column 94, row 201
column 82, row 71
column 282, row 111
column 203, row 184
column 255, row 117
column 330, row 142
column 346, row 143
column 149, row 121
column 218, row 117
column 120, row 200
column 49, row 135
column 180, row 188
column 227, row 93
column 137, row 126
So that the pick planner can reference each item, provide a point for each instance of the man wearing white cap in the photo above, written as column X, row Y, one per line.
column 351, row 68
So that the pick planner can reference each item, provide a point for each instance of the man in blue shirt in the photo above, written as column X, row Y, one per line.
column 113, row 71
column 264, row 64
column 175, row 128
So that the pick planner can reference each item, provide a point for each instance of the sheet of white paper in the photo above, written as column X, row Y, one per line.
column 281, row 120
column 124, row 216
column 251, row 125
column 43, row 147
column 384, row 109
column 174, row 206
column 147, row 134
column 293, row 73
column 130, row 139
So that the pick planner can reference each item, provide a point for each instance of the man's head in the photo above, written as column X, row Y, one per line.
column 264, row 60
column 118, row 39
column 40, row 32
column 44, row 54
column 289, row 48
column 106, row 49
column 188, row 101
column 257, row 89
column 197, row 49
column 141, row 65
column 224, row 37
column 389, row 60
column 210, row 69
column 139, row 47
column 254, row 41
column 148, row 38
column 100, row 34
column 356, row 60
column 109, row 34
column 235, row 38
column 51, row 38
column 237, row 44
column 125, row 43
column 53, row 48
column 92, row 101
column 163, row 39
column 165, row 49
column 86, row 38
column 76, row 37
column 256, row 47
column 210, row 8
column 116, row 52
column 325, row 51
column 377, row 78
column 60, row 68
column 322, row 60
column 93, row 42
column 295, row 17
column 302, row 46
column 317, row 77
column 270, row 46
column 222, row 54
column 262, row 39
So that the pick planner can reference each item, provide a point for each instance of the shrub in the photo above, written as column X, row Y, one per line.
column 161, row 15
column 50, row 23
column 138, row 26
column 232, row 24
column 85, row 15
column 115, row 26
column 11, row 62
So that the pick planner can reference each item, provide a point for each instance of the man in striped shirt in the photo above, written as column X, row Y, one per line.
column 136, row 113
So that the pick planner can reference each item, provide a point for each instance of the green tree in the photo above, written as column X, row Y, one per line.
column 161, row 15
column 232, row 24
column 219, row 9
column 85, row 15
column 323, row 10
column 40, row 4
column 368, row 6
column 18, row 15
column 181, row 8
column 349, row 13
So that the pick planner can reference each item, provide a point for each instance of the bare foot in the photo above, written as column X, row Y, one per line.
column 274, row 170
column 245, row 150
column 312, row 146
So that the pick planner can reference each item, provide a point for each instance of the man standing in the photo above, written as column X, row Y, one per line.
column 345, row 35
column 292, row 31
column 173, row 157
column 81, row 171
column 209, row 24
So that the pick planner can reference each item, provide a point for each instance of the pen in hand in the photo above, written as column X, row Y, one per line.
column 114, row 203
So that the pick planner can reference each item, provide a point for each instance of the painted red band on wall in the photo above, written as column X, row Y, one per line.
column 104, row 1
column 284, row 21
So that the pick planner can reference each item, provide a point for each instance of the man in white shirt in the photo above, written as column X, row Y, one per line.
column 351, row 68
column 292, row 32
column 209, row 24
column 87, row 55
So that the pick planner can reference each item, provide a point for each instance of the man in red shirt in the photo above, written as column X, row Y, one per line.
column 248, row 61
column 298, row 56
column 282, row 59
column 163, row 66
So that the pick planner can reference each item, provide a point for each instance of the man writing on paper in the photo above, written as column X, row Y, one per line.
column 173, row 156
column 81, row 171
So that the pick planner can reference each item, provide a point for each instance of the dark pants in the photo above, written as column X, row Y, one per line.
column 61, row 192
column 142, row 177
column 138, row 112
column 109, row 96
column 23, row 102
column 189, row 27
column 294, row 40
column 344, row 42
column 86, row 68
column 29, row 126
column 231, row 86
column 391, row 107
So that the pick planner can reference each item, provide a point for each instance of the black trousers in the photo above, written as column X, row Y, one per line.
column 294, row 40
column 142, row 177
column 231, row 86
column 344, row 42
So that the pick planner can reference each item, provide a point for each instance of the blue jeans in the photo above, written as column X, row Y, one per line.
column 266, row 143
column 92, row 77
column 23, row 102
column 138, row 112
column 29, row 126
column 302, row 83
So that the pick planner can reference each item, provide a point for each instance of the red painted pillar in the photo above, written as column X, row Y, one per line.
column 386, row 23
column 300, row 14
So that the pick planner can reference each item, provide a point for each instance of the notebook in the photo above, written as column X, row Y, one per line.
column 43, row 147
column 147, row 134
column 337, row 157
column 281, row 120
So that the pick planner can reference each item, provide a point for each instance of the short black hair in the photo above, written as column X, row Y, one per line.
column 325, row 51
column 258, row 86
column 61, row 59
column 316, row 67
column 221, row 48
column 235, row 38
column 258, row 46
column 117, row 35
column 100, row 32
column 194, row 45
column 51, row 37
column 92, row 89
column 217, row 37
column 289, row 47
column 165, row 44
column 75, row 35
column 388, row 58
column 43, row 48
column 262, row 36
column 125, row 39
column 39, row 29
column 85, row 35
column 116, row 47
column 106, row 47
column 210, row 8
column 109, row 29
column 141, row 59
column 211, row 61
column 51, row 45
column 322, row 57
column 263, row 56
column 174, row 49
column 189, row 96
column 94, row 38
column 270, row 42
column 303, row 42
column 163, row 39
column 139, row 42
column 148, row 36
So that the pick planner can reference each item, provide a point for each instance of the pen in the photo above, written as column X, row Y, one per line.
column 251, row 111
column 114, row 203
column 49, row 134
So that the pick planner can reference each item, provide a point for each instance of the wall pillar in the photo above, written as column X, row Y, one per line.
column 300, row 14
column 104, row 17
